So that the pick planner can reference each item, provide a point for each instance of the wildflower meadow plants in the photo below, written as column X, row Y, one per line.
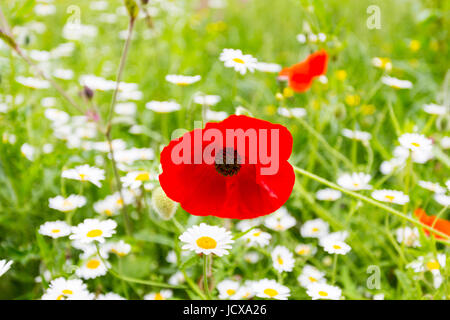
column 167, row 150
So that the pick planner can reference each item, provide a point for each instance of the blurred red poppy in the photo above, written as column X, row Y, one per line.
column 441, row 225
column 302, row 74
column 233, row 174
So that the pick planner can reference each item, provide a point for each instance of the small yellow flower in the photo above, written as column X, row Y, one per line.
column 270, row 110
column 341, row 75
column 288, row 92
column 414, row 45
column 368, row 109
column 352, row 100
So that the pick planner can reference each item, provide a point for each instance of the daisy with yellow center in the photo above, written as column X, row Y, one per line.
column 120, row 248
column 304, row 249
column 227, row 289
column 415, row 142
column 280, row 220
column 310, row 275
column 92, row 268
column 334, row 246
column 68, row 204
column 391, row 196
column 55, row 229
column 93, row 230
column 319, row 290
column 207, row 240
column 85, row 173
column 396, row 83
column 181, row 80
column 282, row 259
column 409, row 236
column 161, row 295
column 256, row 237
column 135, row 179
column 63, row 289
column 315, row 228
column 382, row 63
column 240, row 62
column 270, row 289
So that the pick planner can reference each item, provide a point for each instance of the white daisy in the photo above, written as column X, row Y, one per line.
column 177, row 278
column 442, row 199
column 5, row 265
column 63, row 289
column 28, row 151
column 324, row 291
column 433, row 108
column 282, row 259
column 256, row 237
column 110, row 296
column 92, row 268
column 382, row 63
column 161, row 295
column 252, row 257
column 268, row 67
column 280, row 220
column 228, row 289
column 93, row 229
column 135, row 179
column 67, row 204
column 305, row 249
column 334, row 246
column 270, row 289
column 120, row 248
column 207, row 100
column 292, row 112
column 357, row 135
column 415, row 142
column 315, row 228
column 410, row 236
column 34, row 83
column 236, row 59
column 391, row 196
column 310, row 275
column 396, row 83
column 355, row 181
column 215, row 115
column 181, row 80
column 328, row 194
column 207, row 239
column 85, row 173
column 163, row 106
column 435, row 187
column 55, row 229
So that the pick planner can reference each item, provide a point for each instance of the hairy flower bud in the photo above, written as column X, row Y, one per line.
column 162, row 204
column 133, row 8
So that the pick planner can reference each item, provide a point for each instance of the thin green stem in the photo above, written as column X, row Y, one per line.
column 205, row 276
column 370, row 201
column 333, row 275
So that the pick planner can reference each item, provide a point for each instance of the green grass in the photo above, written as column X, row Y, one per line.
column 190, row 43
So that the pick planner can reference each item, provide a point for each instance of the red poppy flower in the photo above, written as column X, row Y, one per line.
column 436, row 223
column 236, row 168
column 302, row 74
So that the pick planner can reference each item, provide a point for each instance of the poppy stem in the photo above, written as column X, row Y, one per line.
column 372, row 202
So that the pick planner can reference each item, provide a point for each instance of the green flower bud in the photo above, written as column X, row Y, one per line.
column 163, row 205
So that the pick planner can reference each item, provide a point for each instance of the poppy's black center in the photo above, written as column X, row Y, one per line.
column 228, row 162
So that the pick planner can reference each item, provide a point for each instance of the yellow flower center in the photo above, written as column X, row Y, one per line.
column 238, row 60
column 206, row 243
column 301, row 251
column 67, row 291
column 82, row 176
column 56, row 231
column 67, row 203
column 119, row 202
column 415, row 144
column 158, row 296
column 94, row 233
column 271, row 292
column 433, row 265
column 390, row 198
column 337, row 247
column 142, row 177
column 182, row 84
column 108, row 212
column 323, row 293
column 257, row 234
column 93, row 264
column 230, row 292
column 280, row 261
column 120, row 254
column 312, row 279
column 315, row 229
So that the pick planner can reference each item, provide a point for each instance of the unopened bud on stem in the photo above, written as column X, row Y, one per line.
column 163, row 205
